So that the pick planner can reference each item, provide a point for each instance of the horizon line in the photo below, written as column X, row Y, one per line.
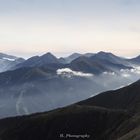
column 66, row 54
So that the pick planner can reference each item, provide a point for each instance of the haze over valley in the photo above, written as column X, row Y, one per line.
column 45, row 82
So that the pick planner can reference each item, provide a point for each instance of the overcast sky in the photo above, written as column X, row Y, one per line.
column 31, row 27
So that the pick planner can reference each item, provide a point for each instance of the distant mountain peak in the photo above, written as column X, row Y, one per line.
column 135, row 60
column 74, row 56
column 37, row 61
column 71, row 57
column 81, row 58
column 138, row 57
column 104, row 53
column 75, row 53
column 49, row 57
column 48, row 53
column 109, row 56
column 2, row 55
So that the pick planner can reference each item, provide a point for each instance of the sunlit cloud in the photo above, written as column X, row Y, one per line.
column 67, row 72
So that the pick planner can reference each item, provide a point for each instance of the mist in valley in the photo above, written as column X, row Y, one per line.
column 63, row 88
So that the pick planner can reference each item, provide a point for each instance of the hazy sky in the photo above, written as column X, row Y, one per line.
column 30, row 27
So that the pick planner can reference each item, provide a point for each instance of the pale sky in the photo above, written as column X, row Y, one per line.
column 34, row 27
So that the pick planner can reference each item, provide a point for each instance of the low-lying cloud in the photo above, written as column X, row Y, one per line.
column 109, row 73
column 69, row 73
column 135, row 70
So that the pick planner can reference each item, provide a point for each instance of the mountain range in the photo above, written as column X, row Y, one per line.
column 89, row 62
column 111, row 115
column 43, row 83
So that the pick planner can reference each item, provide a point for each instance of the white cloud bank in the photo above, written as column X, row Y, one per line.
column 69, row 73
column 135, row 70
